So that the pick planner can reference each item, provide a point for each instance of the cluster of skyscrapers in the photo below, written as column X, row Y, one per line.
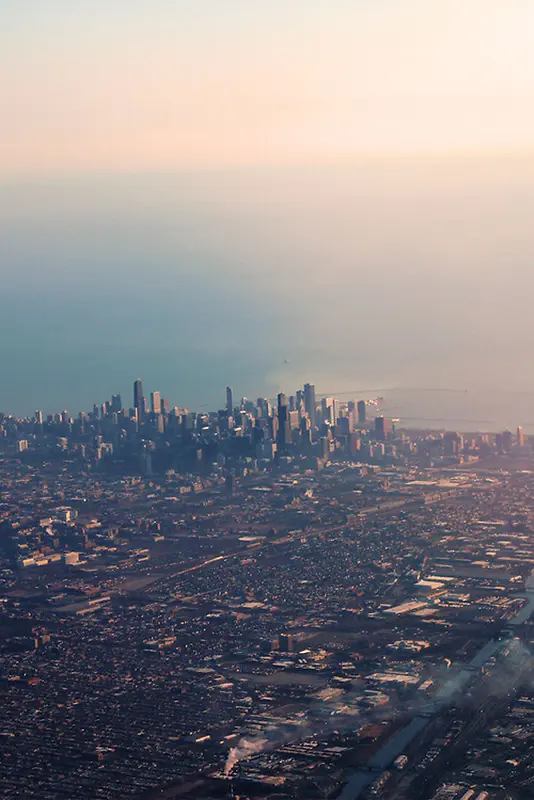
column 301, row 424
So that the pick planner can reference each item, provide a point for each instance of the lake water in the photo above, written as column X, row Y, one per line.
column 391, row 277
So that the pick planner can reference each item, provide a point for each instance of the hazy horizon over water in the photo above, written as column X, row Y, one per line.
column 386, row 276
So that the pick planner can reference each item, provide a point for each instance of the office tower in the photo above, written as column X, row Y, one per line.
column 335, row 411
column 138, row 399
column 155, row 402
column 324, row 448
column 352, row 415
column 258, row 431
column 223, row 419
column 305, row 433
column 327, row 410
column 39, row 417
column 309, row 402
column 354, row 444
column 229, row 401
column 507, row 441
column 362, row 416
column 286, row 642
column 381, row 428
column 452, row 443
column 283, row 422
column 300, row 401
column 343, row 426
column 293, row 418
column 165, row 405
column 272, row 426
column 116, row 402
column 520, row 437
column 264, row 407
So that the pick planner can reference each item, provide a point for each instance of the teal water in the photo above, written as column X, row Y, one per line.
column 382, row 277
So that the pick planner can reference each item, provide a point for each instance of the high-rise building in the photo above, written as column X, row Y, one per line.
column 335, row 411
column 381, row 428
column 286, row 643
column 354, row 444
column 283, row 422
column 229, row 401
column 327, row 408
column 305, row 432
column 138, row 398
column 362, row 416
column 452, row 443
column 309, row 402
column 507, row 441
column 155, row 402
column 116, row 402
column 343, row 426
column 293, row 418
column 520, row 437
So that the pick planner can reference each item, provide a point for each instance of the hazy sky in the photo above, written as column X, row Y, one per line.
column 142, row 84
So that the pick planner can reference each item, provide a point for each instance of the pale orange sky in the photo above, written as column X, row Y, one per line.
column 155, row 84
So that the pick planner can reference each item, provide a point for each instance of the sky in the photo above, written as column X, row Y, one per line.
column 166, row 84
column 264, row 193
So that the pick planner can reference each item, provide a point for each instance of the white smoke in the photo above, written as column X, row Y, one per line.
column 245, row 749
column 323, row 717
column 333, row 716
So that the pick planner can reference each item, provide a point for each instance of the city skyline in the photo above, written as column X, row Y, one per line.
column 406, row 405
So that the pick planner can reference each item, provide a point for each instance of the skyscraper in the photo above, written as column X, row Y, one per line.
column 229, row 401
column 309, row 402
column 361, row 412
column 155, row 402
column 327, row 409
column 283, row 422
column 381, row 428
column 138, row 398
column 507, row 441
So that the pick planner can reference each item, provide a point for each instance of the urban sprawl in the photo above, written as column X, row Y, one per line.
column 293, row 599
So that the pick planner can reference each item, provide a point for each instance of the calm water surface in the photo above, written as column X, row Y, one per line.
column 397, row 278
